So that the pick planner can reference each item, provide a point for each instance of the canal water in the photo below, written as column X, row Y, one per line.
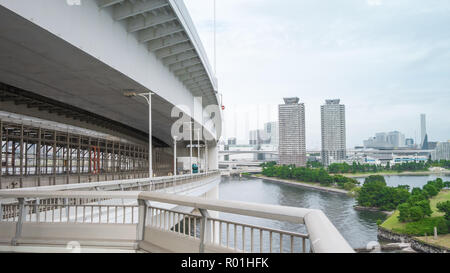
column 414, row 181
column 358, row 227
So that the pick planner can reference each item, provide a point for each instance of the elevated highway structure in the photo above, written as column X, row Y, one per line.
column 72, row 64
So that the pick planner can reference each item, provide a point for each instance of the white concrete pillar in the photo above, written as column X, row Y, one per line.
column 213, row 156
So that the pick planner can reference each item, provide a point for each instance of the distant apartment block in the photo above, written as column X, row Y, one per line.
column 409, row 142
column 389, row 140
column 292, row 144
column 268, row 135
column 442, row 151
column 232, row 141
column 333, row 132
column 255, row 137
column 271, row 133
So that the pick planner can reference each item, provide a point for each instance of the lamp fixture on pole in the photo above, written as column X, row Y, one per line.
column 148, row 98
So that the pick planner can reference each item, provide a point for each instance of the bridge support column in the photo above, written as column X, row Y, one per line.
column 212, row 156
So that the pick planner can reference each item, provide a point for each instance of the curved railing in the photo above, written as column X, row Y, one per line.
column 157, row 183
column 159, row 227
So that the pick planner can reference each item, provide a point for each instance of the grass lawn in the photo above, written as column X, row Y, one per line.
column 443, row 240
column 443, row 196
column 393, row 222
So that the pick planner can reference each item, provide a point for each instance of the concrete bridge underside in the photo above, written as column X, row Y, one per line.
column 73, row 64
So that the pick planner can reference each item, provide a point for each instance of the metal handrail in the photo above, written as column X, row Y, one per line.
column 125, row 183
column 323, row 235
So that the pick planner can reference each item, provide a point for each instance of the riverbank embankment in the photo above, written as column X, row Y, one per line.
column 301, row 184
column 421, row 173
column 416, row 243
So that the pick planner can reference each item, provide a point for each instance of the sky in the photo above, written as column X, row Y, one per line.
column 387, row 60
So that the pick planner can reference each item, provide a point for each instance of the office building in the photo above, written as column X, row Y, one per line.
column 391, row 140
column 442, row 151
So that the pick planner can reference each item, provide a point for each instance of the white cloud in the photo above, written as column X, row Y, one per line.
column 387, row 67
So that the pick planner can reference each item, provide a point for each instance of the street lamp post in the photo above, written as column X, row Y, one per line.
column 148, row 98
column 175, row 156
column 206, row 157
column 190, row 139
column 198, row 149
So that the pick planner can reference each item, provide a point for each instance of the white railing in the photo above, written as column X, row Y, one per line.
column 228, row 234
column 201, row 232
column 155, row 184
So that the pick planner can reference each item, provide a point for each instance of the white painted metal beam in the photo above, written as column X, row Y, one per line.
column 198, row 79
column 191, row 69
column 204, row 83
column 173, row 50
column 132, row 8
column 107, row 3
column 185, row 64
column 192, row 75
column 150, row 34
column 142, row 22
column 167, row 41
column 180, row 57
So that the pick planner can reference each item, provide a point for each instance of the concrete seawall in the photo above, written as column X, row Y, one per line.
column 417, row 245
column 302, row 185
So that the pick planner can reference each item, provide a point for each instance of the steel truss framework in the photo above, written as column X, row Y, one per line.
column 33, row 156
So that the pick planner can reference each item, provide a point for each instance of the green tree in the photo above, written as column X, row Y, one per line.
column 404, row 210
column 445, row 208
column 371, row 191
column 431, row 190
column 416, row 213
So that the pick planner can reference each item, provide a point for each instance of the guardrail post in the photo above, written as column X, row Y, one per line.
column 20, row 221
column 66, row 204
column 205, row 233
column 36, row 210
column 140, row 232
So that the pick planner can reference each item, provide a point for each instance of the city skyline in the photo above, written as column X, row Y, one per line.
column 387, row 62
column 242, row 125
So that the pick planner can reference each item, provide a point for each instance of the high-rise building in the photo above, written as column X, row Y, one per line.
column 423, row 129
column 389, row 140
column 442, row 151
column 396, row 139
column 409, row 142
column 232, row 141
column 271, row 132
column 255, row 137
column 292, row 144
column 333, row 132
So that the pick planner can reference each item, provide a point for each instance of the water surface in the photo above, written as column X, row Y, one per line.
column 357, row 227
